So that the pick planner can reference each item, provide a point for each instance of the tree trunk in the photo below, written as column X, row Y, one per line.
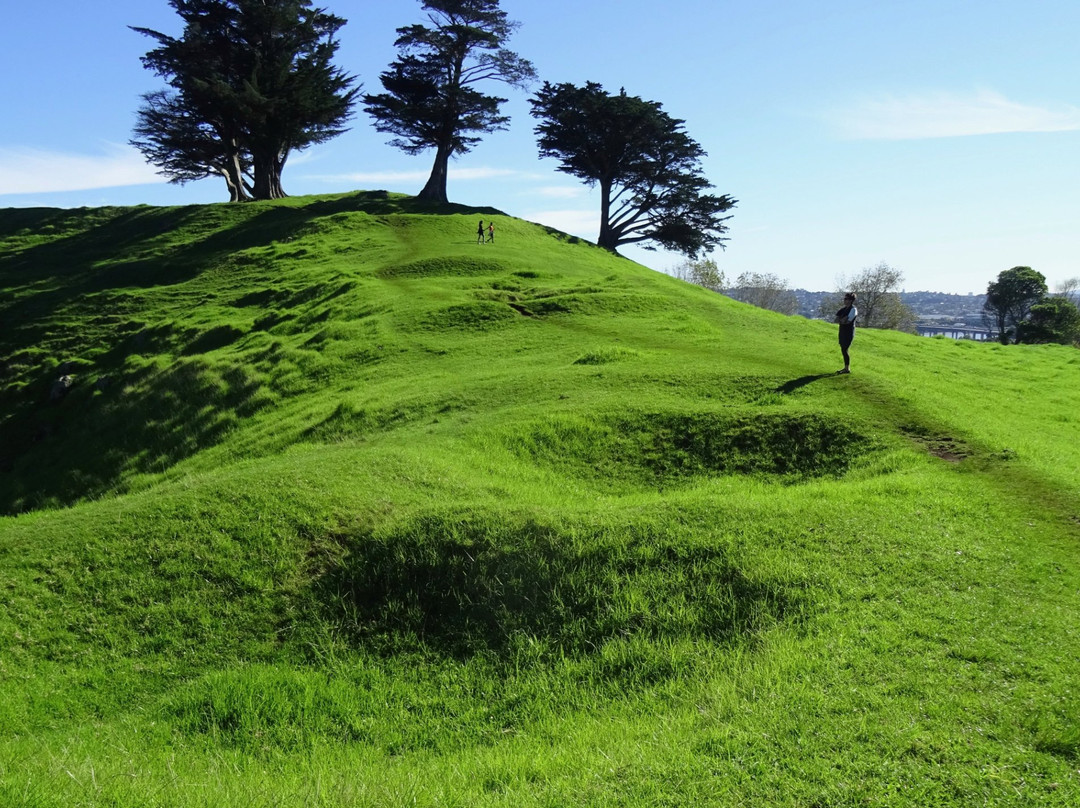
column 435, row 190
column 609, row 238
column 234, row 179
column 279, row 169
column 268, row 176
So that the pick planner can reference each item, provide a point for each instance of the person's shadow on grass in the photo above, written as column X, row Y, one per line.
column 802, row 381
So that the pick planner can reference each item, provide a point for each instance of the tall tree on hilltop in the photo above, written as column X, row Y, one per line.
column 430, row 100
column 1009, row 299
column 648, row 169
column 186, row 148
column 250, row 82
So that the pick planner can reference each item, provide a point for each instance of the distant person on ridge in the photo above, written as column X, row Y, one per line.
column 846, row 318
column 480, row 232
column 491, row 232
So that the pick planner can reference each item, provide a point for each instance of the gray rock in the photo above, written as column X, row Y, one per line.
column 61, row 387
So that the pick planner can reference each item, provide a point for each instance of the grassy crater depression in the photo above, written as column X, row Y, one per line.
column 671, row 448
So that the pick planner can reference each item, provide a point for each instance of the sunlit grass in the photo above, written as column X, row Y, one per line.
column 343, row 509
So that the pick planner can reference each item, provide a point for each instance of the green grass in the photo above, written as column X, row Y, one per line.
column 343, row 509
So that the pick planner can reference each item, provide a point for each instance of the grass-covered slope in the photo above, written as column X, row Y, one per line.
column 319, row 502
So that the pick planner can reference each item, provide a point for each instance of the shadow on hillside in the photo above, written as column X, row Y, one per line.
column 73, row 295
column 802, row 381
column 85, row 446
column 491, row 581
column 144, row 247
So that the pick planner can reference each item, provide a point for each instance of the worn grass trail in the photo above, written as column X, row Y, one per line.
column 343, row 509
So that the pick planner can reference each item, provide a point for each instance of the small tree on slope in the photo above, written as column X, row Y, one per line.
column 879, row 302
column 1009, row 299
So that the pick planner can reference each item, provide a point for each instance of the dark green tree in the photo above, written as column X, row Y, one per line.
column 1054, row 319
column 647, row 168
column 187, row 148
column 430, row 99
column 250, row 82
column 1009, row 300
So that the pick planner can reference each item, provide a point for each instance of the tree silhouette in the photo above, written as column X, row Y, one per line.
column 648, row 169
column 430, row 100
column 250, row 82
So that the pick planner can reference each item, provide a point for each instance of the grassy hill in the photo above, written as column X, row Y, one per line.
column 318, row 502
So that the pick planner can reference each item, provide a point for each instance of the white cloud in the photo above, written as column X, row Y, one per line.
column 941, row 114
column 30, row 171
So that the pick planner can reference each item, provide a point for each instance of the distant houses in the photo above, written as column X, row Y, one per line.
column 937, row 313
column 957, row 331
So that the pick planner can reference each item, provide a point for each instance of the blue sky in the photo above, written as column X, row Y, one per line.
column 939, row 136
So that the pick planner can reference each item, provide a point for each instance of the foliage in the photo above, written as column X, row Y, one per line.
column 430, row 100
column 1009, row 300
column 766, row 291
column 703, row 272
column 878, row 299
column 648, row 169
column 250, row 82
column 1054, row 319
column 337, row 512
column 185, row 148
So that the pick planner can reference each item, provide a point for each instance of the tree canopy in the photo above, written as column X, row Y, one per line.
column 429, row 98
column 652, row 188
column 1053, row 319
column 1009, row 299
column 250, row 81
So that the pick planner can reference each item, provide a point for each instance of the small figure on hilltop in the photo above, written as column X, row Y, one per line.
column 846, row 318
column 491, row 232
column 480, row 232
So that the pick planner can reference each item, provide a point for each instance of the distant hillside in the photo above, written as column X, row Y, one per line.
column 318, row 502
column 929, row 307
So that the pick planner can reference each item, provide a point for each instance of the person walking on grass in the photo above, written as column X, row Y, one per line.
column 846, row 319
column 480, row 232
column 491, row 232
